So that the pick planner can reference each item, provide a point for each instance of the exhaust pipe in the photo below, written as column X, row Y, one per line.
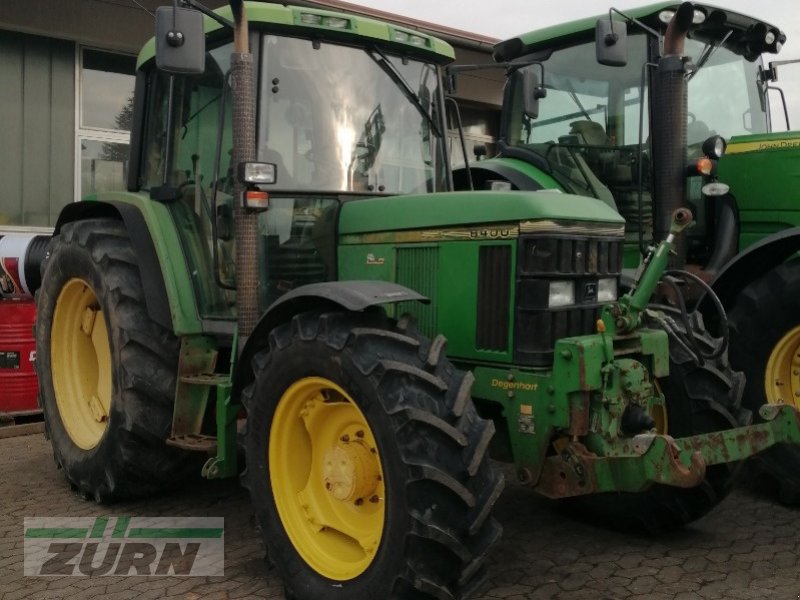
column 244, row 150
column 21, row 257
column 669, row 128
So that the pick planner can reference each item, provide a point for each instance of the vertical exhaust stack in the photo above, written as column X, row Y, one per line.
column 669, row 128
column 244, row 150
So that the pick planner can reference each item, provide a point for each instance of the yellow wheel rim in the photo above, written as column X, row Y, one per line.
column 80, row 364
column 782, row 375
column 326, row 478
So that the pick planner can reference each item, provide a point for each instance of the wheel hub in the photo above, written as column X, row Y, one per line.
column 326, row 478
column 81, row 364
column 350, row 472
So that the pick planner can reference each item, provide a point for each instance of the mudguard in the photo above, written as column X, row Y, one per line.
column 155, row 292
column 749, row 265
column 348, row 295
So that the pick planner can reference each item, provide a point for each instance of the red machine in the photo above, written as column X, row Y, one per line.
column 18, row 384
column 20, row 258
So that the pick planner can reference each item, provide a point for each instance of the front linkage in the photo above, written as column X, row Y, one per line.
column 598, row 432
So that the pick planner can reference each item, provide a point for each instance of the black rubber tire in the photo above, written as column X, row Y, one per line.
column 700, row 398
column 764, row 312
column 131, row 459
column 440, row 486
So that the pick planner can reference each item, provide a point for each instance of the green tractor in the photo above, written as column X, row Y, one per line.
column 286, row 256
column 628, row 117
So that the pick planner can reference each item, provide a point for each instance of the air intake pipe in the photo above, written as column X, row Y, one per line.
column 244, row 150
column 669, row 128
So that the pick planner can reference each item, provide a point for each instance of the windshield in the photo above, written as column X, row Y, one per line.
column 724, row 96
column 338, row 118
column 589, row 109
column 587, row 129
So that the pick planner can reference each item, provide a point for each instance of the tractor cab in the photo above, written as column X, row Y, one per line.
column 593, row 132
column 340, row 115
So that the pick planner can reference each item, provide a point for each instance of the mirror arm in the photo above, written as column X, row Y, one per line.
column 208, row 12
column 612, row 37
column 771, row 74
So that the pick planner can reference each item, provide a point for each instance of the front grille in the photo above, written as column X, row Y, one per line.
column 418, row 269
column 544, row 258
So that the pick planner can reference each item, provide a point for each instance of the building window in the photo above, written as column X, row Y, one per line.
column 104, row 120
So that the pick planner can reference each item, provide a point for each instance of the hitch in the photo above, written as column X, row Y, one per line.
column 634, row 464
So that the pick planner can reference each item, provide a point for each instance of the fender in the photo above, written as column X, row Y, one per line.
column 749, row 265
column 155, row 292
column 353, row 296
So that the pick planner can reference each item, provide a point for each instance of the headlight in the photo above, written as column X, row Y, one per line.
column 257, row 172
column 607, row 290
column 715, row 188
column 714, row 147
column 665, row 16
column 562, row 293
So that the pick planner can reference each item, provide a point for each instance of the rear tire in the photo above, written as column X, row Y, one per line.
column 765, row 344
column 96, row 342
column 424, row 529
column 700, row 398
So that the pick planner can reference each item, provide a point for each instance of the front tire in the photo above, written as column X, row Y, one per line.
column 366, row 462
column 107, row 372
column 765, row 345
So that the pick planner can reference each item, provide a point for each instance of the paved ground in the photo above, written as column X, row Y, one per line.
column 747, row 548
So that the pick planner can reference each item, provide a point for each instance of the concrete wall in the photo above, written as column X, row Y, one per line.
column 38, row 41
column 37, row 126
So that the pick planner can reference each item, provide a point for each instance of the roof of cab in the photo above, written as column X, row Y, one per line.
column 284, row 18
column 748, row 39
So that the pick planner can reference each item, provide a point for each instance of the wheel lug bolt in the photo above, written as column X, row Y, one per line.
column 359, row 433
column 373, row 499
column 359, row 501
column 327, row 485
column 345, row 438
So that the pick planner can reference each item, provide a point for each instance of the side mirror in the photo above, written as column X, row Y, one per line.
column 611, row 43
column 532, row 92
column 180, row 40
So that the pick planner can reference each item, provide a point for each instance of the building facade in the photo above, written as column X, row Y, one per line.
column 67, row 68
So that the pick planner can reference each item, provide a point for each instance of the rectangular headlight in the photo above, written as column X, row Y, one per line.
column 337, row 22
column 257, row 172
column 607, row 289
column 310, row 19
column 562, row 293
